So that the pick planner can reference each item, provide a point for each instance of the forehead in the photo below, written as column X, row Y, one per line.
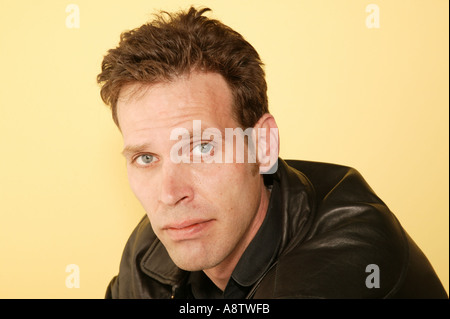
column 198, row 96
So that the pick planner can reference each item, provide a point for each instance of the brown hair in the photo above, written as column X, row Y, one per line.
column 177, row 44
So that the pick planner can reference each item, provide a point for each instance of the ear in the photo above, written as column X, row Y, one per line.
column 267, row 143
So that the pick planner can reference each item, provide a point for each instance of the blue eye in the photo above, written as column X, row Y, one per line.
column 204, row 148
column 145, row 159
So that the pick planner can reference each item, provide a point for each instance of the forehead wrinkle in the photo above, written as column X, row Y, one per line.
column 167, row 119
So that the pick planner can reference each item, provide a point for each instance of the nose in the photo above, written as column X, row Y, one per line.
column 176, row 186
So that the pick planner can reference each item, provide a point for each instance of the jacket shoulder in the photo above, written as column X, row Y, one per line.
column 355, row 247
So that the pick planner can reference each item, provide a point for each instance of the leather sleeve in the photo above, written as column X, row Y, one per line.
column 112, row 289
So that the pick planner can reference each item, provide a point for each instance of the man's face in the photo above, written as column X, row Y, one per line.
column 203, row 213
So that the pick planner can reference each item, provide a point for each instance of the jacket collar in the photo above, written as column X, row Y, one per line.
column 157, row 264
column 263, row 249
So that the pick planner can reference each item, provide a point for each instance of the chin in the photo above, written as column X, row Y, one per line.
column 191, row 264
column 191, row 259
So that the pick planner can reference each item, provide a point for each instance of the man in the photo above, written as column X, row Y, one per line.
column 218, row 226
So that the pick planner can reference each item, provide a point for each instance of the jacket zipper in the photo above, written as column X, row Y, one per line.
column 174, row 289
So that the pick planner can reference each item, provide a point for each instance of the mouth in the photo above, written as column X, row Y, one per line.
column 188, row 229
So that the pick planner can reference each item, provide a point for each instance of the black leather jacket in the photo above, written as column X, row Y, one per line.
column 333, row 227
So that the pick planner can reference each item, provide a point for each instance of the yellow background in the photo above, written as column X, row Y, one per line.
column 374, row 99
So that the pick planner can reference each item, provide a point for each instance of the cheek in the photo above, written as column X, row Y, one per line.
column 233, row 187
column 134, row 182
column 140, row 185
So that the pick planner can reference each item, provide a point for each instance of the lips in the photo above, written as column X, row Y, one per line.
column 188, row 229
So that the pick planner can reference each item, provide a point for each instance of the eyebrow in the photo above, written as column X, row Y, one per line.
column 138, row 148
column 133, row 149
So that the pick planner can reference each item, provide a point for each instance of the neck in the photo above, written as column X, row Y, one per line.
column 221, row 274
